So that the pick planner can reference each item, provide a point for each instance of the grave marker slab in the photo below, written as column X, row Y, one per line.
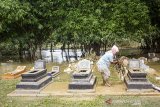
column 34, row 80
column 55, row 71
column 83, row 80
column 151, row 55
column 134, row 64
column 40, row 64
column 136, row 78
column 84, row 65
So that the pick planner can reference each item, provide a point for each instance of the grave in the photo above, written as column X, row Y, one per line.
column 40, row 64
column 136, row 78
column 33, row 80
column 151, row 55
column 14, row 74
column 55, row 71
column 83, row 80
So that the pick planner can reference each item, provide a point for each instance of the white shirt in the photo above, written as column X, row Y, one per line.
column 106, row 59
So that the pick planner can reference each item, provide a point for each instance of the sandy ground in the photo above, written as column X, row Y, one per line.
column 57, row 88
column 60, row 89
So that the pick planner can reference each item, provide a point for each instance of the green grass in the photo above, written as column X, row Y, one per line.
column 155, row 65
column 152, row 78
column 7, row 86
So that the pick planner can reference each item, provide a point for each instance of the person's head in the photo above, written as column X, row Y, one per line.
column 114, row 49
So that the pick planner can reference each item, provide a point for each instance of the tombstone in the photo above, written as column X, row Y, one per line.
column 34, row 80
column 40, row 64
column 83, row 80
column 143, row 59
column 84, row 65
column 151, row 55
column 136, row 77
column 134, row 64
column 55, row 71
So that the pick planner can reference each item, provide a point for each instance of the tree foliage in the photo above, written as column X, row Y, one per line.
column 89, row 23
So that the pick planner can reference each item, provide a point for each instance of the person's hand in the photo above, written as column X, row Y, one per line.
column 115, row 62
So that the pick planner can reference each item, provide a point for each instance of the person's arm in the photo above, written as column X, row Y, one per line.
column 114, row 62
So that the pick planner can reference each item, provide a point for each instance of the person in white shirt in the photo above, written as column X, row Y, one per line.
column 104, row 62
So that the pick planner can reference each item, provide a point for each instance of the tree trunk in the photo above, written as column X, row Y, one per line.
column 40, row 52
column 68, row 51
column 20, row 52
column 96, row 48
column 63, row 49
column 51, row 52
column 89, row 49
column 82, row 51
column 30, row 55
column 85, row 48
column 105, row 47
column 75, row 51
column 32, row 49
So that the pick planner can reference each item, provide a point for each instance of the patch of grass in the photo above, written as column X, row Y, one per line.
column 115, row 76
column 114, row 79
column 6, row 86
column 152, row 77
column 153, row 80
column 155, row 65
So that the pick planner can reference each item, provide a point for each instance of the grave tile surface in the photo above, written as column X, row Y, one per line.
column 136, row 78
column 84, row 79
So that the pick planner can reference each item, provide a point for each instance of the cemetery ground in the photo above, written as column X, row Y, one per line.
column 61, row 81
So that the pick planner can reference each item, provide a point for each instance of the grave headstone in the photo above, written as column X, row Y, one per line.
column 55, row 71
column 40, row 64
column 83, row 79
column 84, row 65
column 134, row 64
column 136, row 77
column 151, row 55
